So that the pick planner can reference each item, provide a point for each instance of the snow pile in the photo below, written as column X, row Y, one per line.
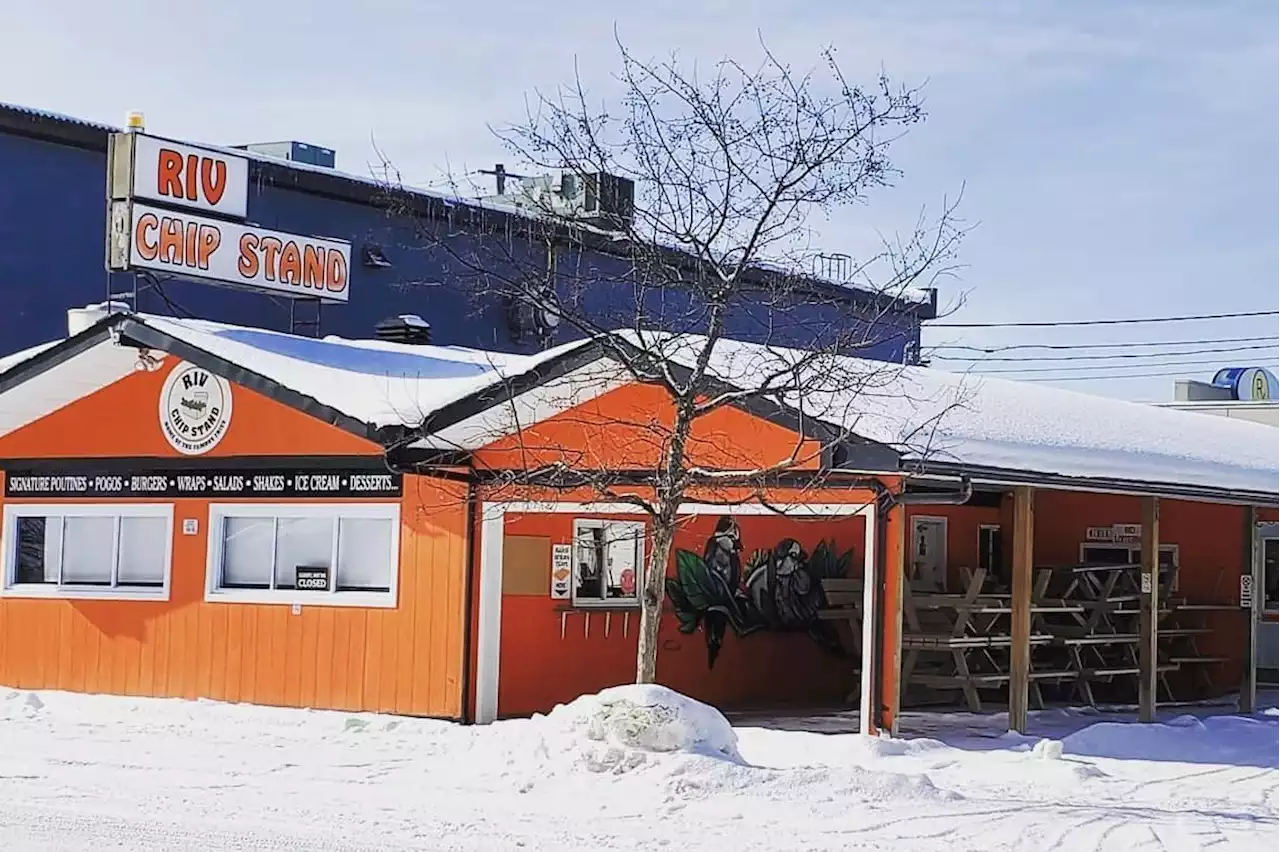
column 1217, row 739
column 1047, row 750
column 617, row 729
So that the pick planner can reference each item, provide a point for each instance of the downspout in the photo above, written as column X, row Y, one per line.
column 468, row 583
column 886, row 500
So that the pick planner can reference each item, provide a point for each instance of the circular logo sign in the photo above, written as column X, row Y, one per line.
column 195, row 409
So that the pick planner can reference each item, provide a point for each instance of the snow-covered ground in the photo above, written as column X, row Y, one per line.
column 633, row 769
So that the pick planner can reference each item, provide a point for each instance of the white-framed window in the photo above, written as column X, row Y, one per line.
column 320, row 555
column 87, row 551
column 608, row 561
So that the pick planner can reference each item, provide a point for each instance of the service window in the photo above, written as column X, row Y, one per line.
column 326, row 555
column 608, row 559
column 88, row 551
column 1127, row 554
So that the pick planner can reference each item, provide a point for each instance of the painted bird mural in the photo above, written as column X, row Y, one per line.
column 722, row 555
column 789, row 596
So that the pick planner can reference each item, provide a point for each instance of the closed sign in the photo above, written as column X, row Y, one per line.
column 312, row 579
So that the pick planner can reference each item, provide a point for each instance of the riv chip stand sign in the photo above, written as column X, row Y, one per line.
column 183, row 210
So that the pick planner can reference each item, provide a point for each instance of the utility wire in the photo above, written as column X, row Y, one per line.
column 1042, row 358
column 1099, row 367
column 1128, row 321
column 1128, row 345
column 1166, row 374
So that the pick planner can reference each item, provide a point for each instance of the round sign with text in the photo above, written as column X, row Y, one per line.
column 195, row 409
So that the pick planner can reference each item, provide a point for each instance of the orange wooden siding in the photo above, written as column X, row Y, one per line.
column 626, row 429
column 406, row 660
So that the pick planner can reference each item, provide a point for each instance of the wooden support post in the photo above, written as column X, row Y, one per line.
column 895, row 540
column 1252, row 567
column 1020, row 651
column 1149, row 610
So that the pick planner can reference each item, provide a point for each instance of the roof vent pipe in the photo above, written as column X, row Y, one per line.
column 406, row 328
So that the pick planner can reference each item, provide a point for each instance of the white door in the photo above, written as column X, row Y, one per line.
column 928, row 554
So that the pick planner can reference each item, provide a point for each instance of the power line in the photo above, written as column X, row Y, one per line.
column 1128, row 321
column 1105, row 378
column 1041, row 358
column 1128, row 345
column 1099, row 367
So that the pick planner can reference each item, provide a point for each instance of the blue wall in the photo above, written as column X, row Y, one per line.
column 52, row 226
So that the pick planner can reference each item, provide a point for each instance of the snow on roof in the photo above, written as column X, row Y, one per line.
column 987, row 422
column 376, row 382
column 8, row 362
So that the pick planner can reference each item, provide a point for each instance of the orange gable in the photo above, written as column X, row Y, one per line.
column 123, row 419
column 628, row 429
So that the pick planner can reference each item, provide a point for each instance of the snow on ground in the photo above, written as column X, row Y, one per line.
column 631, row 768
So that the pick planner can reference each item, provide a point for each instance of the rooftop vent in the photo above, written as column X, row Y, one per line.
column 296, row 152
column 405, row 328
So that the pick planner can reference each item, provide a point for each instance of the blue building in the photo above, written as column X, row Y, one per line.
column 405, row 258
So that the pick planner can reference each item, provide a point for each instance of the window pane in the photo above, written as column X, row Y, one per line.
column 1271, row 570
column 39, row 543
column 1107, row 556
column 87, row 550
column 588, row 563
column 364, row 554
column 305, row 543
column 622, row 561
column 143, row 542
column 246, row 553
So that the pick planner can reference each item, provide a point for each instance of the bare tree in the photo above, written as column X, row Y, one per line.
column 728, row 169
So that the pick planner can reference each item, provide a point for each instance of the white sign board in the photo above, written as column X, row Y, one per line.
column 190, row 177
column 1146, row 583
column 239, row 255
column 1098, row 534
column 1246, row 591
column 561, row 571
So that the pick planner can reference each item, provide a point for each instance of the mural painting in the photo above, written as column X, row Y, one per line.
column 777, row 589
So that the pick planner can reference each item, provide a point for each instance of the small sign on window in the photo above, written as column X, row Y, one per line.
column 561, row 571
column 312, row 579
column 1246, row 591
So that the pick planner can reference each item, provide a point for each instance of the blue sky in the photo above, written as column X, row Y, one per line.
column 1118, row 158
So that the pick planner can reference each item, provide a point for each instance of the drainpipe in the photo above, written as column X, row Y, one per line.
column 886, row 500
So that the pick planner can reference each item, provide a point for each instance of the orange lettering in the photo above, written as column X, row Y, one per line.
column 193, row 172
column 313, row 267
column 210, row 239
column 270, row 250
column 290, row 264
column 247, row 264
column 169, row 173
column 337, row 277
column 170, row 240
column 145, row 250
column 213, row 179
column 189, row 246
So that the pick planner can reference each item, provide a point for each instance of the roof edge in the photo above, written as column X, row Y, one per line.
column 135, row 330
column 1109, row 485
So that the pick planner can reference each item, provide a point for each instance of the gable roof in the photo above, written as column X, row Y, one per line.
column 925, row 420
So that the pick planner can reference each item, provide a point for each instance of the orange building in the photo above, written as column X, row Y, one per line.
column 197, row 510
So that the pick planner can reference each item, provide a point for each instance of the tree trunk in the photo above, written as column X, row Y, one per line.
column 655, row 577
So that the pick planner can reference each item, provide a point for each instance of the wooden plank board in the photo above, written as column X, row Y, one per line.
column 1023, row 579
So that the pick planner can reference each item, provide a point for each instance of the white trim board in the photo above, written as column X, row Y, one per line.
column 492, row 530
